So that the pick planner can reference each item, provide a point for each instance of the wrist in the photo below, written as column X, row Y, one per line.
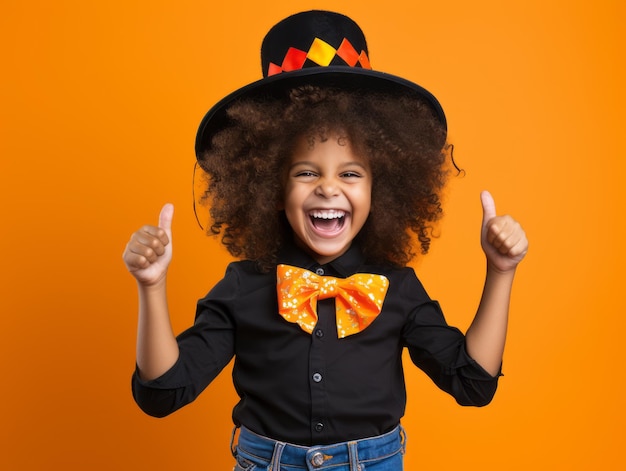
column 501, row 267
column 499, row 272
column 152, row 286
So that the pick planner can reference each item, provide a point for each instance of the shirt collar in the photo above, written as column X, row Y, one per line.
column 344, row 265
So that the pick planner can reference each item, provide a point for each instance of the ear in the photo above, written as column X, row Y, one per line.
column 280, row 206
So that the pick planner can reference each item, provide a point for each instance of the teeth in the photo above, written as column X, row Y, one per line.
column 328, row 214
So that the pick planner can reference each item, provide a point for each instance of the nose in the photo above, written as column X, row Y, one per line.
column 327, row 188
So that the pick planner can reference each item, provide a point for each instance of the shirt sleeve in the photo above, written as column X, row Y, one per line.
column 204, row 350
column 439, row 350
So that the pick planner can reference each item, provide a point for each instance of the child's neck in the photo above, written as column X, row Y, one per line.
column 322, row 259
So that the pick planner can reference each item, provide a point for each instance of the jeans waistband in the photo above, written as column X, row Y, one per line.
column 321, row 456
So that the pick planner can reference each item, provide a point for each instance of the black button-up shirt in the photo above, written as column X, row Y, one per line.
column 315, row 389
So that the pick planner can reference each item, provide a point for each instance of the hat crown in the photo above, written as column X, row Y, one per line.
column 312, row 39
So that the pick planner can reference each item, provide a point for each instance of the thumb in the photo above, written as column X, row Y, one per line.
column 489, row 206
column 165, row 218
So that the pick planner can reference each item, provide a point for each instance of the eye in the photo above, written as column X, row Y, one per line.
column 305, row 173
column 351, row 174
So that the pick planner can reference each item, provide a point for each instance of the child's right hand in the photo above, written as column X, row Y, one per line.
column 149, row 251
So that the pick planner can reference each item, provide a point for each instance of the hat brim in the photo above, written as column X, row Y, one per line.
column 276, row 86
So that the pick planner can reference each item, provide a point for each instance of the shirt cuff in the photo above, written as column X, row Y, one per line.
column 171, row 379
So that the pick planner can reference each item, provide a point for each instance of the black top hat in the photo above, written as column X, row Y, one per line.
column 313, row 47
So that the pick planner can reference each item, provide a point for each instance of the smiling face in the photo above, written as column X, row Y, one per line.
column 327, row 195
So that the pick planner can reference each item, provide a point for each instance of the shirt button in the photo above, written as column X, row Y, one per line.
column 319, row 333
column 317, row 377
column 319, row 271
column 319, row 427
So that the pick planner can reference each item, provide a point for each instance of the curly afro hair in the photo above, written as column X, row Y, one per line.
column 399, row 136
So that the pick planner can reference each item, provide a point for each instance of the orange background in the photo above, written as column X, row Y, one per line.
column 99, row 104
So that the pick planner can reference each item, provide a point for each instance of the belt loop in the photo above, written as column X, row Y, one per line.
column 233, row 445
column 276, row 456
column 403, row 438
column 353, row 454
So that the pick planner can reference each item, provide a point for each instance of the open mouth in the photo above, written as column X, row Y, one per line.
column 328, row 221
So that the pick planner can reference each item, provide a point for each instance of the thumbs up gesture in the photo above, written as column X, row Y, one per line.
column 149, row 251
column 502, row 238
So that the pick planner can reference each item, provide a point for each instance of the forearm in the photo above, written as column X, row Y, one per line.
column 486, row 336
column 157, row 350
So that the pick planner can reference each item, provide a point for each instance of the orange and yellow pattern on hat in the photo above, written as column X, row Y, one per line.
column 322, row 54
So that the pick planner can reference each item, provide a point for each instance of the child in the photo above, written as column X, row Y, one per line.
column 318, row 174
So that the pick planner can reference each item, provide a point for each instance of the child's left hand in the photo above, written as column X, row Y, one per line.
column 502, row 238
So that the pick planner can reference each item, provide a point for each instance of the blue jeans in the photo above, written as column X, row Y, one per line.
column 383, row 453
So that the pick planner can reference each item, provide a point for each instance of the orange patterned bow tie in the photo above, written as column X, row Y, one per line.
column 359, row 298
